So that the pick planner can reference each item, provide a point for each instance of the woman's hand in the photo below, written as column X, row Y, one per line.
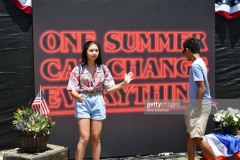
column 128, row 77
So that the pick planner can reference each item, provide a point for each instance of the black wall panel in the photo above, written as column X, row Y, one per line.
column 16, row 68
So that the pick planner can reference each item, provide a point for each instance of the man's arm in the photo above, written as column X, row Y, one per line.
column 200, row 94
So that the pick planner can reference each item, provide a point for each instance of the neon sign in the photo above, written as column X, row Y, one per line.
column 160, row 73
column 148, row 41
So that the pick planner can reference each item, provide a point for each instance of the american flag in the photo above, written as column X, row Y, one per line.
column 229, row 9
column 24, row 5
column 39, row 104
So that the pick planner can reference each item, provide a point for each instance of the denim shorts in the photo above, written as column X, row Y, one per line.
column 92, row 107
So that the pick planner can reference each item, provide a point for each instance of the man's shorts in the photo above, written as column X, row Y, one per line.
column 93, row 107
column 196, row 122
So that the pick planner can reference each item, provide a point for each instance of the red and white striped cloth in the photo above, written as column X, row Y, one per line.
column 39, row 104
column 24, row 5
column 225, row 146
column 230, row 9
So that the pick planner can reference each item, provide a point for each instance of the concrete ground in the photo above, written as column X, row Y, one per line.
column 181, row 156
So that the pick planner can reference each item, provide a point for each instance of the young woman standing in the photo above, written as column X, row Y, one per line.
column 86, row 84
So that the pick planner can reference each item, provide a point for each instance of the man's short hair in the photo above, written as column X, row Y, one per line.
column 193, row 44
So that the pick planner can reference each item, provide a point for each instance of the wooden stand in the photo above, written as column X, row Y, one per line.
column 53, row 152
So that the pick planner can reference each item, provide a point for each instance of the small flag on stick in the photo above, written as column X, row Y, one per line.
column 39, row 104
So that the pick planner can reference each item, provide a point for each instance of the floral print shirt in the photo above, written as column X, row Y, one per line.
column 86, row 82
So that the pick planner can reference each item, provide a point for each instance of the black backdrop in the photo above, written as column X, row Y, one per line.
column 17, row 86
column 16, row 68
column 227, row 46
column 124, row 134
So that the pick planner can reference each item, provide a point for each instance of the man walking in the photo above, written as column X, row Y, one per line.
column 199, row 108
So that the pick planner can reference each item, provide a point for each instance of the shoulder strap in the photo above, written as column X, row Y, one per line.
column 103, row 73
column 80, row 69
column 103, row 69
